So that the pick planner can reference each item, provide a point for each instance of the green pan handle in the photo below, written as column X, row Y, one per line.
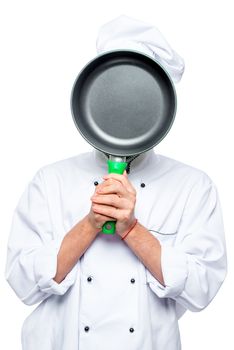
column 116, row 167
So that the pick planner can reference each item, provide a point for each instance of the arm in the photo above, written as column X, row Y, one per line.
column 147, row 248
column 38, row 265
column 116, row 197
column 73, row 246
column 32, row 248
column 76, row 241
column 192, row 271
column 195, row 268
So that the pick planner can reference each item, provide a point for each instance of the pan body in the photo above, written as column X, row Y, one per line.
column 123, row 103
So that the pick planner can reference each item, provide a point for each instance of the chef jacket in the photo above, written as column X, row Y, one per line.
column 110, row 300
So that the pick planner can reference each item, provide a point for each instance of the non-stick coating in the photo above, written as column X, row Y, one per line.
column 123, row 103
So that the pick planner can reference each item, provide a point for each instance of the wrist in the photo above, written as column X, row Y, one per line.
column 130, row 229
column 89, row 225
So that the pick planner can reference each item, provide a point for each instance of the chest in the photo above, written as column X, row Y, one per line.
column 159, row 205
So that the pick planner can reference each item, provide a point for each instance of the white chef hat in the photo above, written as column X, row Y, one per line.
column 130, row 34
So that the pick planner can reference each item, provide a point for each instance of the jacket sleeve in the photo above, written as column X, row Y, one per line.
column 32, row 248
column 195, row 267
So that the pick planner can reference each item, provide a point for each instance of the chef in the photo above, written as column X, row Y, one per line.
column 128, row 290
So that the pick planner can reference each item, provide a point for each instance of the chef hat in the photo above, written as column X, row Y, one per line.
column 130, row 34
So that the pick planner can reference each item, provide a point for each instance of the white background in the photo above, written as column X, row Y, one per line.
column 43, row 46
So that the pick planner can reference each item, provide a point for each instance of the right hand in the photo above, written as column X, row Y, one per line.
column 95, row 219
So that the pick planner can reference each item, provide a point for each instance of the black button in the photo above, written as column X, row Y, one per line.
column 131, row 330
column 142, row 185
column 133, row 280
column 86, row 328
column 95, row 183
column 89, row 279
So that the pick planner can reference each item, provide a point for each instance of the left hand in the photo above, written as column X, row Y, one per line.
column 116, row 198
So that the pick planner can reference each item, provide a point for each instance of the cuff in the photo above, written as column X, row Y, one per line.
column 174, row 270
column 45, row 267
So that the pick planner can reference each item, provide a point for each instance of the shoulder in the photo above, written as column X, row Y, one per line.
column 178, row 170
column 65, row 167
column 67, row 164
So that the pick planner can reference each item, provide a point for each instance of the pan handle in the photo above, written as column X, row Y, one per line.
column 116, row 165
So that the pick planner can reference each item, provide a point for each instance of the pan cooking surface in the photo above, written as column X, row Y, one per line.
column 123, row 103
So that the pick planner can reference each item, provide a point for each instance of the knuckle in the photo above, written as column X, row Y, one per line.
column 97, row 217
column 133, row 197
column 131, row 208
column 118, row 186
column 125, row 216
column 134, row 192
column 98, row 187
column 112, row 200
column 94, row 206
column 113, row 212
column 118, row 198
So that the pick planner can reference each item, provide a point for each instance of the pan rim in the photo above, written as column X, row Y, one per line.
column 125, row 51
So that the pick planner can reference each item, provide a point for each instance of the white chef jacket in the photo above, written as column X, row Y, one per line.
column 109, row 300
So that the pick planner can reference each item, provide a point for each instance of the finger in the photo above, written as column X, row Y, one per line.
column 107, row 183
column 103, row 184
column 111, row 200
column 113, row 187
column 101, row 219
column 105, row 210
column 122, row 179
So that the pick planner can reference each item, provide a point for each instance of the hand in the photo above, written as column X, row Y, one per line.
column 115, row 200
column 97, row 220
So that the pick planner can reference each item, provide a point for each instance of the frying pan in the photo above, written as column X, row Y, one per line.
column 123, row 103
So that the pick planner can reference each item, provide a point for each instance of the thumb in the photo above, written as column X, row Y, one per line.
column 125, row 173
